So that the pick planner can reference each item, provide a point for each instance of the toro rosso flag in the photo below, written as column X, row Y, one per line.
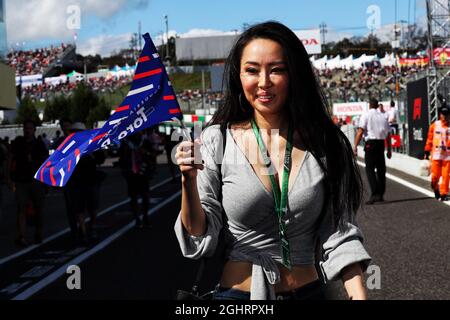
column 151, row 100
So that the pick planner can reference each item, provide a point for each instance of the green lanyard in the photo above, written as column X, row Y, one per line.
column 280, row 197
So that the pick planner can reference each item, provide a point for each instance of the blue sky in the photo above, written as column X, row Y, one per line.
column 107, row 25
column 297, row 14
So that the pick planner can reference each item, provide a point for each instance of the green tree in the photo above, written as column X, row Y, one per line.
column 357, row 46
column 83, row 101
column 49, row 110
column 57, row 108
column 27, row 110
column 62, row 106
column 84, row 105
column 101, row 112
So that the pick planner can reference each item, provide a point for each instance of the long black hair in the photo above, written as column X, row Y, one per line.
column 309, row 111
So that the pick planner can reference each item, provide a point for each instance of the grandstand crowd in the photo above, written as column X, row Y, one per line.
column 339, row 84
column 30, row 62
column 99, row 85
column 355, row 85
column 196, row 94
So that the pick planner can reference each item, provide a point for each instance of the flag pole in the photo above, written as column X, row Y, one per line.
column 186, row 133
column 185, row 130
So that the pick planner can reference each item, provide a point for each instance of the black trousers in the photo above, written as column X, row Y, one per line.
column 71, row 217
column 375, row 167
column 311, row 291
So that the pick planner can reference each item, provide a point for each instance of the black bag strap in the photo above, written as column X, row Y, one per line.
column 203, row 261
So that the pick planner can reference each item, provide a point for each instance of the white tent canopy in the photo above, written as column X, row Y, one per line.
column 388, row 60
column 359, row 62
column 347, row 63
column 334, row 63
column 321, row 63
column 350, row 62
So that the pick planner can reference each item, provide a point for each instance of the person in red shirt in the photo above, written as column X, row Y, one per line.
column 438, row 148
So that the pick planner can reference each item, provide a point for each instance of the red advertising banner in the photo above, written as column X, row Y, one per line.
column 414, row 62
column 396, row 141
column 442, row 56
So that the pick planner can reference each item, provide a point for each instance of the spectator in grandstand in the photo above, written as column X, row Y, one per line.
column 33, row 61
column 438, row 147
column 271, row 245
column 47, row 90
column 28, row 154
column 374, row 126
column 83, row 189
column 358, row 84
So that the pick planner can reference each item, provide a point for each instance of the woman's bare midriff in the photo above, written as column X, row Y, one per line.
column 238, row 275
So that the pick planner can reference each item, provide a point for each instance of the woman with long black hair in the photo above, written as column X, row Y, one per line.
column 285, row 185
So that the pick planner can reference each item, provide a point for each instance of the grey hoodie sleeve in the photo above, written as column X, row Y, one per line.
column 209, row 185
column 340, row 248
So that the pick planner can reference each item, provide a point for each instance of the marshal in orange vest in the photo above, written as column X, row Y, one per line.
column 438, row 147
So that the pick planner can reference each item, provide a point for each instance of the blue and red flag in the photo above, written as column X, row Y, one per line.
column 151, row 100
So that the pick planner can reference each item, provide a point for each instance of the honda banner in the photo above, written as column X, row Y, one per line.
column 349, row 109
column 311, row 40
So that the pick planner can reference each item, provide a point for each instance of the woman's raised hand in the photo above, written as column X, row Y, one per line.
column 189, row 158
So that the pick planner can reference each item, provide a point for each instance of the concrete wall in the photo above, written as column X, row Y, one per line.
column 7, row 88
column 402, row 162
column 399, row 161
column 204, row 48
column 13, row 131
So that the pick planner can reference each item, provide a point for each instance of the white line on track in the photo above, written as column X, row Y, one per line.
column 409, row 185
column 62, row 270
column 62, row 232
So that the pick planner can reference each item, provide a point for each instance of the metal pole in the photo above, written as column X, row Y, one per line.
column 432, row 71
column 140, row 36
column 167, row 34
column 163, row 48
column 430, row 34
column 185, row 130
column 409, row 23
column 395, row 20
column 203, row 89
column 415, row 12
column 323, row 31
